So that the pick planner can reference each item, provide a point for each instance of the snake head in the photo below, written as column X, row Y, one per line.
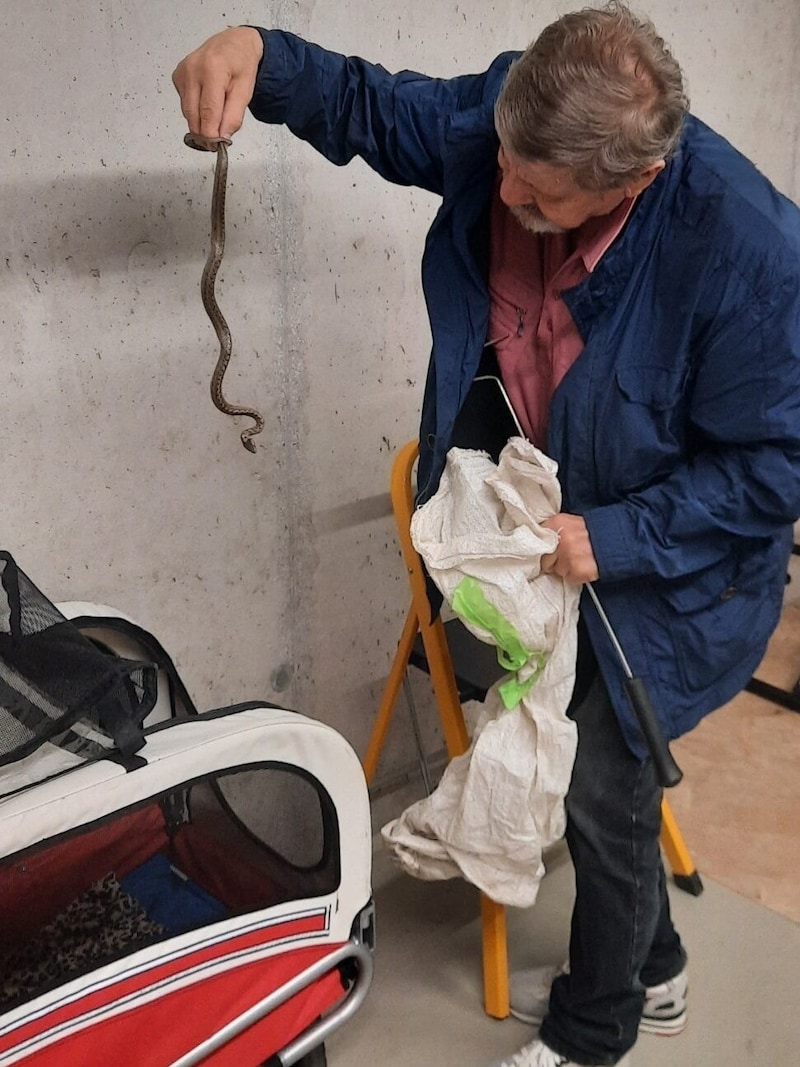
column 206, row 144
column 248, row 444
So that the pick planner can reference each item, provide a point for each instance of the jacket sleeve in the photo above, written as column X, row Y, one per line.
column 742, row 479
column 346, row 107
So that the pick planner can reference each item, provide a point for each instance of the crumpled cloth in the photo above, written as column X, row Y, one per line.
column 501, row 803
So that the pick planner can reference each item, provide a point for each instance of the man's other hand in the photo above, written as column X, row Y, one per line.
column 573, row 560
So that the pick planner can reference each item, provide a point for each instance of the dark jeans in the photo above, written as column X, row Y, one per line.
column 622, row 937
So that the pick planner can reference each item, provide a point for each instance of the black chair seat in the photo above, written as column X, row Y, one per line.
column 474, row 661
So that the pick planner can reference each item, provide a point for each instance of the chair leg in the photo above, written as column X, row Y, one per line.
column 495, row 959
column 678, row 856
column 389, row 698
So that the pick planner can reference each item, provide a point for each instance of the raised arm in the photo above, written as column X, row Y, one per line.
column 342, row 105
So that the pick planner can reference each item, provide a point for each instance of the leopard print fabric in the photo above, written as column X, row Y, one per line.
column 100, row 926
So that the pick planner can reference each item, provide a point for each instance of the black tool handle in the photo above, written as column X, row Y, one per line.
column 667, row 770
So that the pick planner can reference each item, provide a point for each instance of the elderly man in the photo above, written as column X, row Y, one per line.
column 639, row 282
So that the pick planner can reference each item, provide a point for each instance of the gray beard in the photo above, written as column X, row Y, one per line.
column 533, row 221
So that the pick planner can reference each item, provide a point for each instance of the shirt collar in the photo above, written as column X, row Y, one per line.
column 597, row 235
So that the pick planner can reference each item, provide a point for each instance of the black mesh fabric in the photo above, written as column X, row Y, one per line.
column 57, row 686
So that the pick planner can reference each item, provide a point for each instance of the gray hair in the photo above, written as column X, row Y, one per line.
column 597, row 91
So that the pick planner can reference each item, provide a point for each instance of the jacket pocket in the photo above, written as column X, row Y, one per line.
column 655, row 387
column 720, row 619
column 641, row 428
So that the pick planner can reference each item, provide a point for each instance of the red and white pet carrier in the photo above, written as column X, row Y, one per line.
column 205, row 899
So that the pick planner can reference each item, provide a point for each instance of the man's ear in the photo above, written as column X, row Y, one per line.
column 647, row 177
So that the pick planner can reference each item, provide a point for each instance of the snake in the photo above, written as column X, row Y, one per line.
column 207, row 282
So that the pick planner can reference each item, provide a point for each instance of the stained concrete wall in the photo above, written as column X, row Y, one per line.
column 272, row 576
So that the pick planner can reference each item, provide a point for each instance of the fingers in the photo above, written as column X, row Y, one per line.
column 239, row 95
column 558, row 565
column 189, row 78
column 563, row 565
column 216, row 81
column 547, row 563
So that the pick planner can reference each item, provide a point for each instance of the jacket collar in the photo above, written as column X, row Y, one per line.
column 603, row 288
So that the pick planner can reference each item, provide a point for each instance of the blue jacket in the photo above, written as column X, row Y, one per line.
column 677, row 431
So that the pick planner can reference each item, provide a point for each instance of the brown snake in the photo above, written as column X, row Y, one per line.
column 207, row 289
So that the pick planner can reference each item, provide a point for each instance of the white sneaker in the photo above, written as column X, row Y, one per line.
column 664, row 1005
column 537, row 1054
column 529, row 992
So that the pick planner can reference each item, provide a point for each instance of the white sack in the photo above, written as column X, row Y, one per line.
column 502, row 802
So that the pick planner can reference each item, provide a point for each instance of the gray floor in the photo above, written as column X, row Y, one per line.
column 425, row 1003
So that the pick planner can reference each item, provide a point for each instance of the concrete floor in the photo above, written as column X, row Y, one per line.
column 425, row 1008
column 737, row 808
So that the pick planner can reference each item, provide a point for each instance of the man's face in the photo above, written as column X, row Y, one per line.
column 545, row 198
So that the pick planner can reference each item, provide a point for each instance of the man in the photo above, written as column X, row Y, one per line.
column 639, row 282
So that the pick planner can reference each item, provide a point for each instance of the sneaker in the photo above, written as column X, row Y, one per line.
column 537, row 1054
column 664, row 1005
column 529, row 992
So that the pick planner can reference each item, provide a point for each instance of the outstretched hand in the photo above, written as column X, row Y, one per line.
column 573, row 560
column 216, row 82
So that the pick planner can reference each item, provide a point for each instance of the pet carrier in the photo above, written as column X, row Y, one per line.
column 203, row 898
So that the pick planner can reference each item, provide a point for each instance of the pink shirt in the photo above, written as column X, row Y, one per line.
column 530, row 326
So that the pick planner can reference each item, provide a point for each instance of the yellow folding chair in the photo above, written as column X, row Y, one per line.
column 424, row 642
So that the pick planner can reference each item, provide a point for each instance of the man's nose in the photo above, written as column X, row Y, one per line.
column 515, row 193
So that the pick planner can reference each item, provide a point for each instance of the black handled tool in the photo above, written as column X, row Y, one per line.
column 667, row 770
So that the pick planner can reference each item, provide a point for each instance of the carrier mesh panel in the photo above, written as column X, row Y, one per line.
column 282, row 809
column 56, row 686
column 196, row 855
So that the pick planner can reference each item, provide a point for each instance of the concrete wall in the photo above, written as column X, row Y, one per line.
column 272, row 576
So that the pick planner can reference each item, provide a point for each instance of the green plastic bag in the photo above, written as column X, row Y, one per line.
column 470, row 604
